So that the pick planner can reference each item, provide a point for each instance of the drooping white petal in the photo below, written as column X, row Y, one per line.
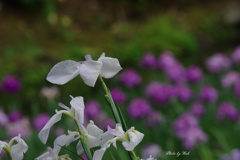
column 93, row 130
column 17, row 150
column 89, row 71
column 135, row 138
column 110, row 66
column 78, row 105
column 43, row 134
column 105, row 137
column 63, row 72
column 98, row 154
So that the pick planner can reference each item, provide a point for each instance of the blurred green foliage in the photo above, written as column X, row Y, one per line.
column 156, row 35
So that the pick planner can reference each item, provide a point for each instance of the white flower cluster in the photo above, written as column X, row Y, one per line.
column 91, row 136
column 95, row 136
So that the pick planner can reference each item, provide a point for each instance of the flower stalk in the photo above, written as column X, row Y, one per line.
column 83, row 141
column 7, row 151
column 117, row 114
column 110, row 102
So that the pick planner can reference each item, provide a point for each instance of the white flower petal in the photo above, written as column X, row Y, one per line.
column 92, row 141
column 79, row 148
column 63, row 72
column 63, row 106
column 118, row 131
column 93, row 130
column 89, row 71
column 98, row 154
column 78, row 105
column 44, row 156
column 110, row 66
column 51, row 154
column 43, row 134
column 105, row 137
column 60, row 141
column 135, row 138
column 17, row 150
column 3, row 144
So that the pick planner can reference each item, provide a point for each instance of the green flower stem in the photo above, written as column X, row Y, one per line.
column 117, row 114
column 84, row 142
column 110, row 101
column 8, row 152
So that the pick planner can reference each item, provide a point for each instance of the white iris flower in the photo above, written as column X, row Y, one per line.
column 17, row 149
column 89, row 70
column 76, row 112
column 130, row 139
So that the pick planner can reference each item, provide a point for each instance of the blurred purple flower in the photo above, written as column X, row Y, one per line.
column 176, row 73
column 151, row 149
column 3, row 118
column 139, row 108
column 171, row 67
column 197, row 109
column 236, row 55
column 183, row 123
column 19, row 127
column 14, row 116
column 194, row 74
column 118, row 95
column 237, row 89
column 159, row 93
column 193, row 136
column 230, row 79
column 227, row 110
column 92, row 109
column 3, row 155
column 103, row 121
column 218, row 62
column 234, row 155
column 187, row 129
column 107, row 122
column 59, row 131
column 154, row 119
column 166, row 60
column 148, row 61
column 10, row 84
column 40, row 121
column 208, row 94
column 130, row 78
column 184, row 93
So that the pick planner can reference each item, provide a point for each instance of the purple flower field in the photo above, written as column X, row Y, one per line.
column 119, row 80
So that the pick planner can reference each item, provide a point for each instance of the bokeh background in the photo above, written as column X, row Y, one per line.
column 180, row 83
